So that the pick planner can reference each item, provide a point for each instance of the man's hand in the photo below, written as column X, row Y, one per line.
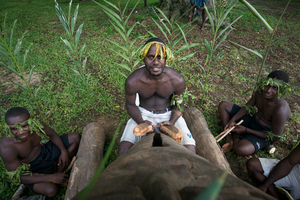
column 163, row 123
column 229, row 125
column 153, row 127
column 59, row 178
column 239, row 129
column 64, row 159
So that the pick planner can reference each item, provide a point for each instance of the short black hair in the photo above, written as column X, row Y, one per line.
column 280, row 75
column 16, row 111
column 155, row 40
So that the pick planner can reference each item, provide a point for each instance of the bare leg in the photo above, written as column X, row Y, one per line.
column 191, row 12
column 47, row 189
column 242, row 146
column 124, row 146
column 224, row 110
column 256, row 173
column 204, row 15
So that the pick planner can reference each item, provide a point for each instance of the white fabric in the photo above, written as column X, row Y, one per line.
column 290, row 182
column 187, row 138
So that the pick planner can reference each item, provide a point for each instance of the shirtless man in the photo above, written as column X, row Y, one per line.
column 155, row 84
column 272, row 113
column 47, row 161
column 271, row 172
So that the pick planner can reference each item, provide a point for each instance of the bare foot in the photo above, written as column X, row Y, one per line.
column 227, row 147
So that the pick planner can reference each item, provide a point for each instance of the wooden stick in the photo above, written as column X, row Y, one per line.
column 220, row 134
column 71, row 164
column 228, row 131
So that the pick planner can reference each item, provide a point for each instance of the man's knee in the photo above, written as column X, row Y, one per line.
column 47, row 189
column 243, row 150
column 74, row 138
column 253, row 165
column 224, row 105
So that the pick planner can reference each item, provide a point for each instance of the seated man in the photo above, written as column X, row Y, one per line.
column 155, row 84
column 258, row 131
column 31, row 163
column 271, row 172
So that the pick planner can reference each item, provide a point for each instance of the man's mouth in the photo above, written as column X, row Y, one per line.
column 23, row 136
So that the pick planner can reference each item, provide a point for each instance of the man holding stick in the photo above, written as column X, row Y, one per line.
column 39, row 166
column 261, row 127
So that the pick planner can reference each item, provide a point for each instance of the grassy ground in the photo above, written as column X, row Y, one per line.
column 68, row 109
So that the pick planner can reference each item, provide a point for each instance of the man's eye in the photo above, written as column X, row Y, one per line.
column 25, row 126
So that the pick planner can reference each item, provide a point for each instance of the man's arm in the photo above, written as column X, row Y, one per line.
column 11, row 162
column 283, row 168
column 64, row 159
column 131, row 107
column 179, row 89
column 242, row 112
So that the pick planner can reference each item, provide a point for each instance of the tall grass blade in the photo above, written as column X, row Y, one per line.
column 250, row 50
column 216, row 74
column 221, row 33
column 36, row 92
column 128, row 17
column 74, row 19
column 285, row 37
column 210, row 19
column 24, row 59
column 161, row 29
column 78, row 33
column 120, row 32
column 67, row 43
column 30, row 74
column 10, row 69
column 256, row 14
column 222, row 40
column 81, row 50
column 201, row 67
column 124, row 66
column 78, row 74
column 11, row 35
column 217, row 57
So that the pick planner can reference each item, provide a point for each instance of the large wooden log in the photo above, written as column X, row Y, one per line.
column 206, row 145
column 166, row 172
column 89, row 156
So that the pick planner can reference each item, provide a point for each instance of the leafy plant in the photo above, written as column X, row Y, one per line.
column 16, row 63
column 73, row 50
column 119, row 20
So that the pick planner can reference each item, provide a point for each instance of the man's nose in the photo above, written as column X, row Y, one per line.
column 19, row 131
column 156, row 60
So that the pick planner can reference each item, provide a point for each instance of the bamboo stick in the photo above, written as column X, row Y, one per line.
column 228, row 131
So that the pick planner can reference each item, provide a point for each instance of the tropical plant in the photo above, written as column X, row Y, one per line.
column 16, row 63
column 72, row 45
column 119, row 19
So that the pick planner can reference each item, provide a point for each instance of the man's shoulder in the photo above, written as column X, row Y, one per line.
column 6, row 146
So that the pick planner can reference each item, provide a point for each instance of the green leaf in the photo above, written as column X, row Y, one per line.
column 77, row 74
column 68, row 45
column 228, row 26
column 256, row 14
column 81, row 51
column 11, row 69
column 162, row 30
column 135, row 63
column 164, row 16
column 88, row 78
column 202, row 87
column 217, row 57
column 250, row 50
column 36, row 92
column 286, row 37
column 24, row 60
column 125, row 67
column 207, row 47
column 118, row 45
column 111, row 4
column 11, row 35
column 123, row 56
column 128, row 17
column 78, row 33
column 120, row 32
column 129, row 31
column 182, row 32
column 21, row 86
column 84, row 64
column 201, row 67
column 74, row 19
column 187, row 57
column 30, row 74
column 210, row 19
column 222, row 40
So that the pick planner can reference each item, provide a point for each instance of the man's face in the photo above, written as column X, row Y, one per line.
column 270, row 91
column 155, row 66
column 20, row 134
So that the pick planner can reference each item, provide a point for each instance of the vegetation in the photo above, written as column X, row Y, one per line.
column 67, row 109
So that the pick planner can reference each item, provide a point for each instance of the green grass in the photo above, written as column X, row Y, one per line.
column 69, row 109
